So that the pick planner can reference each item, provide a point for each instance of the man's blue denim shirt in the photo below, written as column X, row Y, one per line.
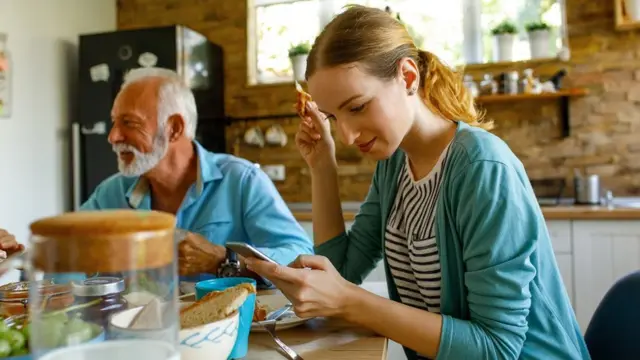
column 232, row 200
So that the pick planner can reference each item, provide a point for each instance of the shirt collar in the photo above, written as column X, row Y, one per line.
column 207, row 171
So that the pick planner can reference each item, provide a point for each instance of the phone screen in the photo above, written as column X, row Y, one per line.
column 247, row 251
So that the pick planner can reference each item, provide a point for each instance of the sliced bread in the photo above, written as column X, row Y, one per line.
column 215, row 306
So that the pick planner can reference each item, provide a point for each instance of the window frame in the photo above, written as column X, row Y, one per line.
column 472, row 51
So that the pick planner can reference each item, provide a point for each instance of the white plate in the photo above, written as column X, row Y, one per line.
column 275, row 302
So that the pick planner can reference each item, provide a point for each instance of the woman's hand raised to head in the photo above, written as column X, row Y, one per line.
column 314, row 138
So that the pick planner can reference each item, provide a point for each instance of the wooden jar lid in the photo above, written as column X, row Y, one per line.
column 103, row 241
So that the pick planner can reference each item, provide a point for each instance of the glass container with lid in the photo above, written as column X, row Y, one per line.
column 120, row 269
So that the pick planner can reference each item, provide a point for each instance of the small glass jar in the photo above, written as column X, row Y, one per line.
column 105, row 295
column 14, row 297
column 511, row 83
column 488, row 86
column 471, row 86
column 121, row 247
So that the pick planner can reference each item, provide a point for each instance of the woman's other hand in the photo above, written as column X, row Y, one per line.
column 8, row 244
column 314, row 139
column 311, row 283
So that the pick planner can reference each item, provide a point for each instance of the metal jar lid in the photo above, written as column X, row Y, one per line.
column 98, row 286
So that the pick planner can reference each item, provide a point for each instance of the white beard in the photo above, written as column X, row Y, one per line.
column 142, row 162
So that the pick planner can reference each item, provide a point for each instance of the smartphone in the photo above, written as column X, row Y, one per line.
column 247, row 251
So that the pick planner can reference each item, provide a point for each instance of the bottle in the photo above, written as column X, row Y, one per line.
column 5, row 78
column 488, row 86
column 471, row 86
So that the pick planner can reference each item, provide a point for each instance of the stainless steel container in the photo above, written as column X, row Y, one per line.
column 587, row 189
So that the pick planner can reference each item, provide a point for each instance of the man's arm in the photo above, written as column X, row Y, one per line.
column 269, row 223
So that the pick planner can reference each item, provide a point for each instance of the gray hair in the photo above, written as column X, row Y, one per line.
column 174, row 97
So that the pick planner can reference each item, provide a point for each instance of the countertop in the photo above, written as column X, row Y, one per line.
column 622, row 209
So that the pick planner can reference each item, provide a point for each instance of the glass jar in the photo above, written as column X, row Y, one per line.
column 101, row 257
column 105, row 295
column 14, row 297
column 488, row 86
column 511, row 83
column 471, row 86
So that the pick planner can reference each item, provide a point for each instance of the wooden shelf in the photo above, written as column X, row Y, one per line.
column 563, row 96
column 525, row 97
column 622, row 20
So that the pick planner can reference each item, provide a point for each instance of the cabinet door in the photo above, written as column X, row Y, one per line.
column 560, row 233
column 308, row 227
column 604, row 251
column 565, row 264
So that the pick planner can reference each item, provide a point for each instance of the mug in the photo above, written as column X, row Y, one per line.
column 241, row 347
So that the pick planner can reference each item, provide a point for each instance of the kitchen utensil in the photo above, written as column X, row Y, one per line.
column 275, row 315
column 587, row 189
column 275, row 135
column 270, row 326
column 287, row 320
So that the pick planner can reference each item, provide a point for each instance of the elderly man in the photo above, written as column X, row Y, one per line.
column 216, row 197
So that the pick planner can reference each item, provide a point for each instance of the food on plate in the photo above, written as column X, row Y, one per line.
column 260, row 312
column 149, row 317
column 215, row 306
column 13, row 339
column 52, row 331
column 303, row 98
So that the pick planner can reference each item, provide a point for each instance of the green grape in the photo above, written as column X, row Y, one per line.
column 5, row 348
column 3, row 328
column 48, row 332
column 25, row 330
column 61, row 316
column 77, row 332
column 15, row 338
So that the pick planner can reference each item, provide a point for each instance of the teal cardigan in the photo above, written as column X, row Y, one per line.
column 502, row 295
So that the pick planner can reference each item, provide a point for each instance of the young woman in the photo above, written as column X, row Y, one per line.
column 469, row 263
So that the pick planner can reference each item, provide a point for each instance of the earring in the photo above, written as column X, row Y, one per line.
column 412, row 91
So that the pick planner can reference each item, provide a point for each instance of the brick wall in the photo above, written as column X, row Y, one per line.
column 605, row 125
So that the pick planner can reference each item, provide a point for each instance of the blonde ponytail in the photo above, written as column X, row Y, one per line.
column 444, row 92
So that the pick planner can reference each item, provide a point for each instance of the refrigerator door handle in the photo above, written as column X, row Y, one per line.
column 99, row 128
column 75, row 158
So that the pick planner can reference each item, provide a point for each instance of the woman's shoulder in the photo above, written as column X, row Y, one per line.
column 474, row 145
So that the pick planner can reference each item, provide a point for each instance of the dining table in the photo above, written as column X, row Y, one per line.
column 320, row 339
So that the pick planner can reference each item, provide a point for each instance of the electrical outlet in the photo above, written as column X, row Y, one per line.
column 275, row 172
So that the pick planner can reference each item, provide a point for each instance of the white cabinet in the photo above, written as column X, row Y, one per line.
column 560, row 233
column 604, row 251
column 308, row 227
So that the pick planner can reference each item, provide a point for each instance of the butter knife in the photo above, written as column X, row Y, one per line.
column 275, row 315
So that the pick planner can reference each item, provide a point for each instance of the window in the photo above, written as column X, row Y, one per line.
column 458, row 31
column 520, row 12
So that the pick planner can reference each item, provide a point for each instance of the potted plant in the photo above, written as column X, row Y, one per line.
column 504, row 37
column 539, row 39
column 298, row 55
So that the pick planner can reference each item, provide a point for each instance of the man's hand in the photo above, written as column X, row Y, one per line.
column 197, row 255
column 8, row 244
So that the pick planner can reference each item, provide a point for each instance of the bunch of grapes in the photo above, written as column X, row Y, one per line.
column 13, row 339
column 50, row 332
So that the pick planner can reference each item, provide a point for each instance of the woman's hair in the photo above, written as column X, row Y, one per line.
column 376, row 40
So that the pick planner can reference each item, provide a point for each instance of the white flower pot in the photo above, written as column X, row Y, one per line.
column 503, row 47
column 299, row 65
column 539, row 44
column 633, row 9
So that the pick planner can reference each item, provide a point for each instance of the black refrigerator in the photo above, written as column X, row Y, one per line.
column 105, row 58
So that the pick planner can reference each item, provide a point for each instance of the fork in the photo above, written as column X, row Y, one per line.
column 270, row 326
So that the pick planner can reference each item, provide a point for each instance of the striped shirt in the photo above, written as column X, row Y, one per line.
column 410, row 242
